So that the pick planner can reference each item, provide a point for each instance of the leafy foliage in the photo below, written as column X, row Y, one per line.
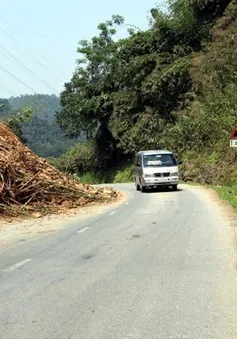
column 78, row 158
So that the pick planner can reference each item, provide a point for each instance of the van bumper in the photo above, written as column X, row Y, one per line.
column 155, row 182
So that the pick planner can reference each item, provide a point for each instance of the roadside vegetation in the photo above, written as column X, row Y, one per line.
column 228, row 194
column 116, row 176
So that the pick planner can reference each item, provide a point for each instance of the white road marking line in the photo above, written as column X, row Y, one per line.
column 83, row 230
column 112, row 213
column 19, row 264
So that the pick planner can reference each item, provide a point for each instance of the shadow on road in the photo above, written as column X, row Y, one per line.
column 162, row 190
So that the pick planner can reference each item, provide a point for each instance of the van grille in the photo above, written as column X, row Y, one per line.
column 167, row 174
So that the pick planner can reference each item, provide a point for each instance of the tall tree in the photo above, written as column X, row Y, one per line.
column 85, row 101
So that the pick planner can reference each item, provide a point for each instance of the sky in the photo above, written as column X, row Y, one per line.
column 38, row 39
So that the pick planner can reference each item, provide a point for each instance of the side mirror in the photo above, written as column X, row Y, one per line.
column 180, row 162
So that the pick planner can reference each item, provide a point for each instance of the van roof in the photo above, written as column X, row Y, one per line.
column 162, row 151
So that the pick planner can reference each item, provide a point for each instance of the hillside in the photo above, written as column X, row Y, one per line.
column 44, row 106
column 172, row 86
column 43, row 135
column 201, row 132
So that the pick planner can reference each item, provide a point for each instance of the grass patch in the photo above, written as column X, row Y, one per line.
column 228, row 194
column 113, row 176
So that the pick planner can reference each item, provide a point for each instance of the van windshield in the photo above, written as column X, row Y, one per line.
column 162, row 160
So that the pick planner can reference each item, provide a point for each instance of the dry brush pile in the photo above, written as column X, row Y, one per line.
column 29, row 184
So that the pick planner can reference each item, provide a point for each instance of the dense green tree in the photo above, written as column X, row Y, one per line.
column 86, row 103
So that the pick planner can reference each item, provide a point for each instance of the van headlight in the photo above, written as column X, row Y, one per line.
column 148, row 175
column 174, row 174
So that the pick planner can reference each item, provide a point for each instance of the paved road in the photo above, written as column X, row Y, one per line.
column 160, row 266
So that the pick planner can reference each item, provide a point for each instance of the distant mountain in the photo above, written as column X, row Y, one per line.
column 43, row 134
column 44, row 106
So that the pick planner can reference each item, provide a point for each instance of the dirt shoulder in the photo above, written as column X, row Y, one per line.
column 18, row 229
column 228, row 212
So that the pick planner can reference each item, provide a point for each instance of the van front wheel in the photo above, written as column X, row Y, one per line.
column 174, row 187
column 143, row 189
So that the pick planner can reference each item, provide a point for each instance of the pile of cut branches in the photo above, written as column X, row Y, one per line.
column 28, row 183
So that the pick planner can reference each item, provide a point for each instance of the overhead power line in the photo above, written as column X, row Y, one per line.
column 18, row 80
column 7, row 90
column 40, row 54
column 29, row 57
column 25, row 67
column 32, row 59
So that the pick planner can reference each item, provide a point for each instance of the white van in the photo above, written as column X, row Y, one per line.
column 155, row 168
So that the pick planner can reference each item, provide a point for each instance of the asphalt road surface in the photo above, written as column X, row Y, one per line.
column 159, row 266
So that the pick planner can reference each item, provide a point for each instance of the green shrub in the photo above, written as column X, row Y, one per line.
column 123, row 175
